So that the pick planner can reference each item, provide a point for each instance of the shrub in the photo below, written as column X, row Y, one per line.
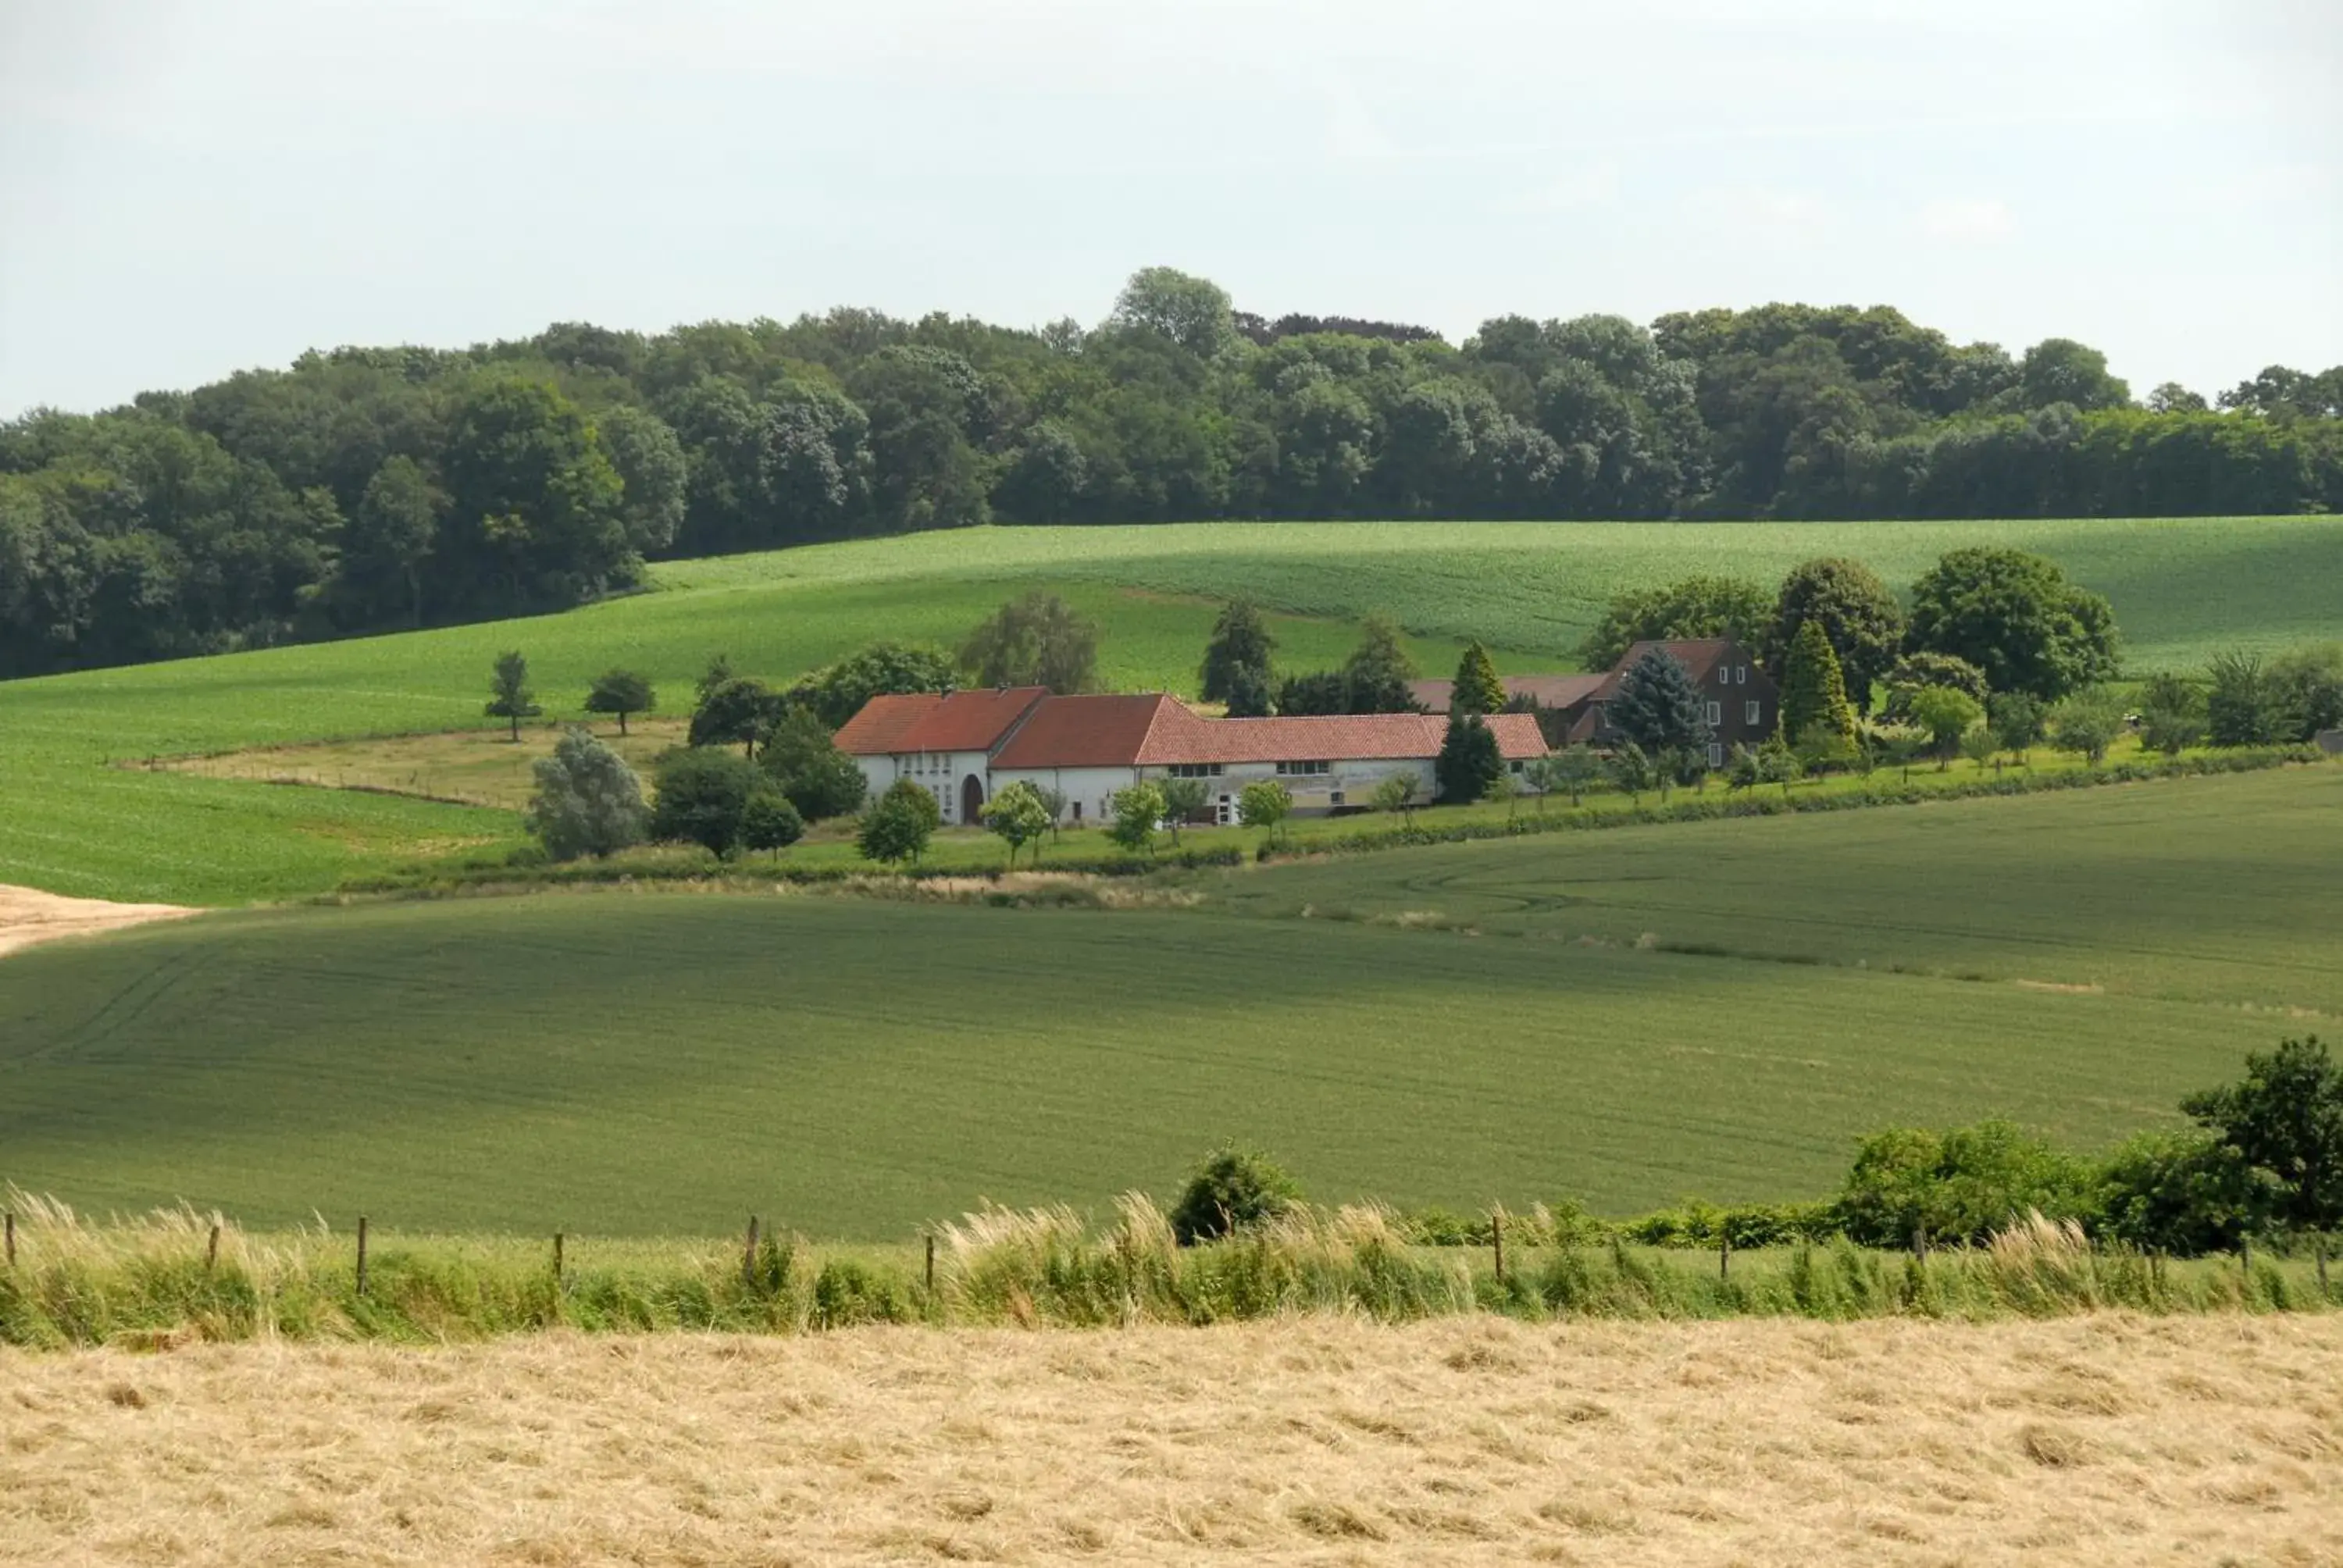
column 1136, row 811
column 1955, row 1186
column 1233, row 1190
column 1916, row 672
column 768, row 821
column 2171, row 714
column 2247, row 707
column 2183, row 1192
column 2087, row 723
column 898, row 826
column 847, row 1294
column 820, row 780
column 587, row 800
column 702, row 798
column 2310, row 683
column 622, row 693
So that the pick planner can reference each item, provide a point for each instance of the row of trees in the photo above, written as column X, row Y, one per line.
column 370, row 487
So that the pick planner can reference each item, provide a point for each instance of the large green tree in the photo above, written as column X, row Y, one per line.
column 2017, row 617
column 1037, row 640
column 1693, row 606
column 1857, row 612
column 1237, row 659
column 586, row 801
column 1477, row 688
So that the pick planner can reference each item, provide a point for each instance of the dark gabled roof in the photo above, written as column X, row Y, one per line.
column 1697, row 655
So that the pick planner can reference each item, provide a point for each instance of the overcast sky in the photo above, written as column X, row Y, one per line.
column 188, row 189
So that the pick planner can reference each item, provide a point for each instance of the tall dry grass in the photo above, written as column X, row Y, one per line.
column 161, row 1277
column 2107, row 1439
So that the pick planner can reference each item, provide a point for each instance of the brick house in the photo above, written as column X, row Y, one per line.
column 1743, row 707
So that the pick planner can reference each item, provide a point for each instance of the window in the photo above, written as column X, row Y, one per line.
column 1194, row 770
column 1715, row 755
column 1753, row 713
column 1516, row 767
column 1717, row 713
column 1078, row 809
column 1303, row 769
column 1740, row 675
column 1337, row 798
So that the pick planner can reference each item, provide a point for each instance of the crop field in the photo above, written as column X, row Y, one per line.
column 1457, row 1028
column 2111, row 1440
column 2182, row 588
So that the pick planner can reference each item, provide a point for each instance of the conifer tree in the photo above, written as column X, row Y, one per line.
column 1477, row 688
column 1659, row 706
column 1813, row 691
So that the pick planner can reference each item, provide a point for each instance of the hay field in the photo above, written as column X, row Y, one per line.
column 2107, row 1440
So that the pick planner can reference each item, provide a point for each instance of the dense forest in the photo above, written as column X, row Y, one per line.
column 374, row 487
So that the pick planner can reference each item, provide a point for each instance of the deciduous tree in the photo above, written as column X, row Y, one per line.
column 1265, row 804
column 2017, row 617
column 509, row 698
column 702, row 796
column 622, row 693
column 1037, row 640
column 1858, row 614
column 898, row 826
column 1137, row 810
column 587, row 801
column 1237, row 659
column 1018, row 815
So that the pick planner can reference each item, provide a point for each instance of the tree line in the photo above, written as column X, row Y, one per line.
column 365, row 488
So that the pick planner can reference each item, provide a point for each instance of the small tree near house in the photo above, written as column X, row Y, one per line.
column 897, row 828
column 509, row 697
column 1137, row 810
column 1946, row 714
column 768, row 821
column 1397, row 793
column 1018, row 815
column 621, row 691
column 1183, row 801
column 1264, row 804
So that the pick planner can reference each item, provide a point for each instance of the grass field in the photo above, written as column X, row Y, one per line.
column 653, row 1062
column 2182, row 588
column 2109, row 1441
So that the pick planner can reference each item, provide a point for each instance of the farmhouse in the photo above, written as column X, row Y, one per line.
column 965, row 746
column 1743, row 703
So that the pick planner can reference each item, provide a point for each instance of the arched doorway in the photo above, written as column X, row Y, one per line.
column 972, row 799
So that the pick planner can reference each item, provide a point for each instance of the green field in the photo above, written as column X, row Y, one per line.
column 643, row 1063
column 2182, row 588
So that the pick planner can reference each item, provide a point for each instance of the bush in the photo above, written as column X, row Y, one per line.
column 1233, row 1190
column 806, row 765
column 899, row 825
column 2181, row 1192
column 847, row 1294
column 1916, row 672
column 703, row 794
column 1957, row 1186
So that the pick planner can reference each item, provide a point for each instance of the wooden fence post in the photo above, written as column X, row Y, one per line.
column 749, row 1256
column 557, row 1257
column 362, row 1242
column 932, row 1263
column 2246, row 1257
column 12, row 1238
column 1724, row 1255
column 211, row 1251
column 1497, row 1239
column 1920, row 1243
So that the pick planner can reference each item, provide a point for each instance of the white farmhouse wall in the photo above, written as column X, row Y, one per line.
column 941, row 773
column 1344, row 785
column 1091, row 788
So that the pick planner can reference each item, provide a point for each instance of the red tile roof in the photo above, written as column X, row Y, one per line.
column 963, row 721
column 1340, row 737
column 1549, row 690
column 1088, row 731
column 878, row 728
column 1151, row 730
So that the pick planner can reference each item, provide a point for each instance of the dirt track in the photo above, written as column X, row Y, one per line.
column 29, row 916
column 2105, row 1441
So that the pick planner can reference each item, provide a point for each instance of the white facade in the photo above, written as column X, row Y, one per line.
column 946, row 774
column 1089, row 791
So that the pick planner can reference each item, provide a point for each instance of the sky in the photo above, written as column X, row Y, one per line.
column 187, row 189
